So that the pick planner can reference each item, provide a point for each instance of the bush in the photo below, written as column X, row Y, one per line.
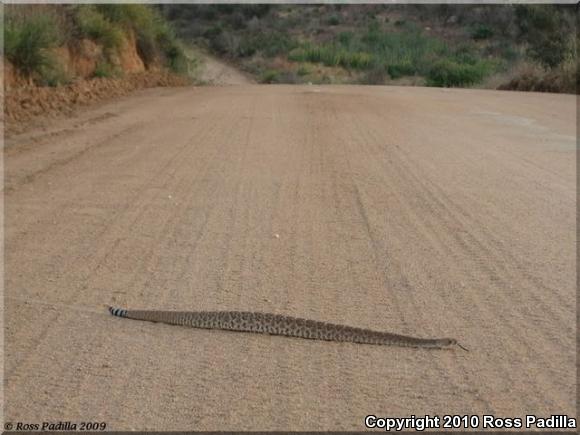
column 177, row 60
column 227, row 43
column 408, row 50
column 155, row 38
column 536, row 78
column 213, row 31
column 345, row 38
column 269, row 76
column 333, row 20
column 331, row 55
column 123, row 13
column 269, row 44
column 400, row 69
column 481, row 32
column 543, row 28
column 448, row 73
column 466, row 53
column 92, row 24
column 28, row 41
column 303, row 70
column 255, row 10
column 104, row 69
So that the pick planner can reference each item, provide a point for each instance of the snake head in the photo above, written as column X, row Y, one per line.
column 449, row 342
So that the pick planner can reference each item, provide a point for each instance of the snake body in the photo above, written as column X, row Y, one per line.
column 276, row 324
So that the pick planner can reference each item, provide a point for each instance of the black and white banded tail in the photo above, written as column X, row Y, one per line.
column 118, row 312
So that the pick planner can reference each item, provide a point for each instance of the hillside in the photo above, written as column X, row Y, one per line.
column 54, row 45
column 520, row 47
column 58, row 57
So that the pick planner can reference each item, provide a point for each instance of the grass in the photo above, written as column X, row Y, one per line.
column 303, row 70
column 94, row 25
column 155, row 37
column 331, row 55
column 269, row 76
column 105, row 70
column 448, row 73
column 378, row 55
column 33, row 33
column 234, row 45
column 398, row 54
column 481, row 32
column 27, row 44
column 444, row 45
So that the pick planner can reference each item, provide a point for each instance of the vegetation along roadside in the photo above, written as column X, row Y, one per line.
column 523, row 47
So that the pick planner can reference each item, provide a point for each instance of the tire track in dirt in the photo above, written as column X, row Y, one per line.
column 169, row 298
column 400, row 285
column 441, row 210
column 412, row 219
column 493, row 249
column 166, row 172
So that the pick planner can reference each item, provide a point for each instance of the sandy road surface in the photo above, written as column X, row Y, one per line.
column 215, row 71
column 419, row 211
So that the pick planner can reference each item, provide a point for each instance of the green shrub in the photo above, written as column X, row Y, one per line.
column 276, row 43
column 466, row 54
column 269, row 44
column 177, row 60
column 345, row 38
column 404, row 48
column 247, row 48
column 269, row 76
column 303, row 70
column 171, row 48
column 53, row 74
column 331, row 55
column 333, row 20
column 373, row 34
column 213, row 31
column 28, row 41
column 155, row 38
column 541, row 27
column 123, row 13
column 448, row 73
column 481, row 32
column 92, row 24
column 105, row 69
column 401, row 69
column 255, row 10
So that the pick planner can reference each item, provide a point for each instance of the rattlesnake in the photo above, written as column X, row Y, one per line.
column 276, row 324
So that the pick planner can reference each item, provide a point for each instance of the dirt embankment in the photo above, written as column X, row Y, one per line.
column 81, row 61
column 30, row 105
column 27, row 105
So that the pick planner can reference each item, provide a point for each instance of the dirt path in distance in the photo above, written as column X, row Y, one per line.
column 216, row 72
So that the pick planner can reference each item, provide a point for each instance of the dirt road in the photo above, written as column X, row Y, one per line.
column 215, row 71
column 420, row 211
